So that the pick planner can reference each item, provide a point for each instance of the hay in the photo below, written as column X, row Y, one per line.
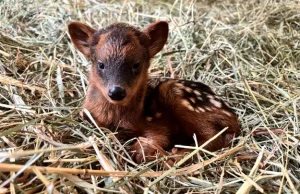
column 248, row 51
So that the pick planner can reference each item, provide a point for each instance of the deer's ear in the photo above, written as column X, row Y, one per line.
column 81, row 35
column 158, row 34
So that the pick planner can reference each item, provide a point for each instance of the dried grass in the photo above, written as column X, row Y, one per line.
column 248, row 51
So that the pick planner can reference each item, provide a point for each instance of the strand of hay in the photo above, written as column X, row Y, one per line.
column 181, row 171
column 11, row 81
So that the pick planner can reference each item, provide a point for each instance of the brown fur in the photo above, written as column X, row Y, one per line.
column 165, row 111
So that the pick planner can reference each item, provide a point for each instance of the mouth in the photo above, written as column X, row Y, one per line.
column 123, row 102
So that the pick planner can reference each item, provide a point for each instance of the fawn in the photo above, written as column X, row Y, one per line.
column 162, row 110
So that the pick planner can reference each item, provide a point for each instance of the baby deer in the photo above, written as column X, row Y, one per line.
column 164, row 111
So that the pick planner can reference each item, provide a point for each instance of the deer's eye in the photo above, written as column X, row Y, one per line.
column 100, row 65
column 136, row 66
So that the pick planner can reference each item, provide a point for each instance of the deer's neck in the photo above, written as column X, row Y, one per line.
column 107, row 114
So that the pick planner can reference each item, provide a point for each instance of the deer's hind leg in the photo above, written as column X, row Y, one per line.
column 198, row 111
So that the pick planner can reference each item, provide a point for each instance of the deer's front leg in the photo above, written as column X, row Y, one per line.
column 150, row 148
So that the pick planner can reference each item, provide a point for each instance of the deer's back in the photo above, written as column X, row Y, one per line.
column 182, row 108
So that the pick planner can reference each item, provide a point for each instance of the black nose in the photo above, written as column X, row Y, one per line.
column 117, row 93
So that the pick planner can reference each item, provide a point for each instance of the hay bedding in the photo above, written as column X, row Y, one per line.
column 248, row 51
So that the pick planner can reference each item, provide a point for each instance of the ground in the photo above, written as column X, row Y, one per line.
column 247, row 51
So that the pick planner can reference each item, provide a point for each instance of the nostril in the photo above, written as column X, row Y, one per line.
column 117, row 93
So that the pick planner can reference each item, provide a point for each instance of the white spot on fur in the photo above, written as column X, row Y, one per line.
column 191, row 108
column 208, row 109
column 193, row 85
column 157, row 115
column 197, row 92
column 199, row 98
column 149, row 118
column 187, row 105
column 193, row 100
column 210, row 96
column 201, row 109
column 215, row 103
column 188, row 89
